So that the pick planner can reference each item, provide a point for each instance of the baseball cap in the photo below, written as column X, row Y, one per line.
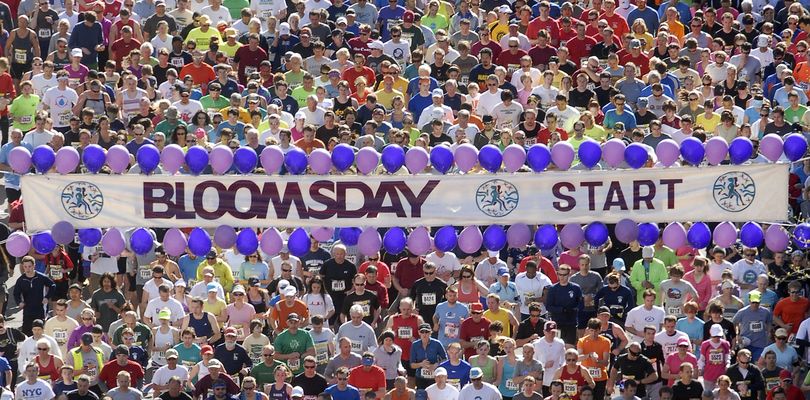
column 476, row 373
column 38, row 323
column 341, row 20
column 476, row 307
column 503, row 271
column 642, row 102
column 297, row 391
column 180, row 282
column 122, row 349
column 550, row 326
column 239, row 289
column 505, row 9
column 425, row 328
column 368, row 360
column 293, row 316
column 212, row 287
column 716, row 330
column 219, row 383
column 214, row 363
column 780, row 332
column 683, row 342
column 290, row 291
column 207, row 349
column 762, row 41
column 440, row 372
column 171, row 353
column 754, row 296
column 618, row 264
column 230, row 331
column 493, row 253
column 211, row 255
column 253, row 281
column 76, row 53
column 437, row 93
column 375, row 45
column 785, row 375
column 647, row 252
column 284, row 29
column 408, row 16
column 635, row 43
column 165, row 313
column 603, row 310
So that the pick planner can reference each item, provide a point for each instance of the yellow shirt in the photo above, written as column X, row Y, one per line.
column 709, row 124
column 229, row 50
column 497, row 30
column 203, row 39
column 386, row 98
column 215, row 308
column 222, row 273
column 503, row 316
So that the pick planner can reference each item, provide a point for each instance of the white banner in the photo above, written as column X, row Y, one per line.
column 723, row 193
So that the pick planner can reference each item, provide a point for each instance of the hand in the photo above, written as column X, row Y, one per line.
column 21, row 305
column 44, row 302
column 609, row 389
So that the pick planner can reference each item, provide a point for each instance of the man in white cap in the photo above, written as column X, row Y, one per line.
column 478, row 389
column 160, row 380
column 440, row 389
column 289, row 305
column 647, row 273
column 377, row 56
column 763, row 52
column 284, row 256
column 297, row 393
column 487, row 270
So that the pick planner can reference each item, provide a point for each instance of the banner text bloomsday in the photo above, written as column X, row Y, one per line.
column 726, row 193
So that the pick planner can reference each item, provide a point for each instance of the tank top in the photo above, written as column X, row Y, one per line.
column 278, row 394
column 130, row 105
column 49, row 373
column 202, row 327
column 259, row 305
column 405, row 395
column 60, row 62
column 162, row 339
column 608, row 333
column 572, row 381
column 339, row 107
column 488, row 369
column 468, row 297
column 106, row 144
column 507, row 387
column 404, row 331
column 256, row 396
column 22, row 51
column 96, row 105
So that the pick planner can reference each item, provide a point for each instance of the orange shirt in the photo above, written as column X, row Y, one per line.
column 792, row 312
column 600, row 346
column 201, row 75
column 308, row 146
column 371, row 380
column 282, row 310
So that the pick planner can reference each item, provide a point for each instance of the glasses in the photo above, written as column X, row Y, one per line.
column 570, row 360
column 781, row 338
column 129, row 338
column 466, row 276
column 238, row 294
column 396, row 35
column 248, row 387
column 793, row 292
column 564, row 274
column 309, row 367
column 492, row 84
column 43, row 348
column 429, row 272
column 286, row 270
column 343, row 379
column 512, row 47
column 359, row 284
column 87, row 319
column 267, row 355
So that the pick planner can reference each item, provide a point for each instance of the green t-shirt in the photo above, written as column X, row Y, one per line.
column 167, row 127
column 188, row 357
column 294, row 79
column 667, row 256
column 435, row 22
column 142, row 335
column 287, row 343
column 23, row 109
column 300, row 95
column 209, row 104
column 235, row 7
column 793, row 116
column 596, row 133
column 203, row 39
column 576, row 142
column 264, row 373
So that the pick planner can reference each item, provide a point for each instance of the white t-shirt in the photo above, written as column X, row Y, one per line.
column 400, row 52
column 41, row 85
column 448, row 393
column 155, row 305
column 152, row 290
column 716, row 270
column 447, row 263
column 163, row 374
column 531, row 287
column 275, row 264
column 669, row 343
column 39, row 390
column 545, row 352
column 487, row 101
column 60, row 104
column 186, row 111
column 488, row 272
column 266, row 8
column 639, row 317
column 487, row 392
column 200, row 289
column 219, row 15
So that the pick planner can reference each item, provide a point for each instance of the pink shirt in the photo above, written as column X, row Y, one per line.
column 570, row 259
column 674, row 362
column 683, row 251
column 704, row 288
column 714, row 359
column 240, row 316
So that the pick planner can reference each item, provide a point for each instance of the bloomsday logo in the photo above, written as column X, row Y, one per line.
column 82, row 200
column 734, row 191
column 497, row 198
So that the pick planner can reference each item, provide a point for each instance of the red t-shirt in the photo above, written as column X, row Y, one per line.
column 356, row 45
column 792, row 312
column 383, row 272
column 567, row 34
column 567, row 258
column 642, row 62
column 510, row 61
column 109, row 373
column 248, row 59
column 544, row 135
column 121, row 49
column 471, row 329
column 617, row 22
column 495, row 47
column 16, row 213
column 544, row 265
column 580, row 48
column 382, row 292
column 405, row 333
column 549, row 24
column 407, row 272
column 7, row 90
column 351, row 74
column 372, row 380
column 200, row 75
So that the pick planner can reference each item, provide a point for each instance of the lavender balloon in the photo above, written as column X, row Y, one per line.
column 323, row 234
column 172, row 158
column 572, row 236
column 197, row 159
column 776, row 238
column 674, row 235
column 225, row 236
column 18, row 244
column 538, row 157
column 470, row 239
column 118, row 161
column 67, row 159
column 221, row 159
column 613, row 152
column 271, row 242
column 367, row 160
column 419, row 241
column 667, row 152
column 394, row 240
column 716, row 150
column 416, row 159
column 514, row 157
column 518, row 235
column 466, row 156
column 272, row 158
column 770, row 146
column 626, row 231
column 562, row 154
column 175, row 242
column 320, row 161
column 19, row 159
column 113, row 241
column 63, row 232
column 370, row 242
column 725, row 234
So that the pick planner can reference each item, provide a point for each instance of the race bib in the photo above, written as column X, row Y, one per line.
column 177, row 62
column 145, row 272
column 455, row 383
column 771, row 383
column 44, row 33
column 92, row 372
column 451, row 331
column 405, row 332
column 294, row 364
column 240, row 330
column 670, row 348
column 357, row 347
column 570, row 388
column 511, row 385
column 20, row 56
column 56, row 272
column 674, row 310
column 715, row 357
column 26, row 119
column 321, row 353
column 352, row 259
column 249, row 70
column 426, row 374
column 596, row 372
column 366, row 309
column 61, row 336
column 429, row 299
column 755, row 326
column 338, row 286
column 64, row 118
column 73, row 83
column 476, row 339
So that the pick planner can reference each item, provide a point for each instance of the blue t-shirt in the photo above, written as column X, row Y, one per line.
column 450, row 315
column 351, row 393
column 4, row 366
column 188, row 267
column 784, row 359
column 627, row 118
column 12, row 179
column 457, row 375
column 692, row 329
column 389, row 15
column 418, row 104
column 434, row 353
column 754, row 325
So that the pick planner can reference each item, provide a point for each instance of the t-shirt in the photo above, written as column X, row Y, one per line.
column 60, row 105
column 634, row 369
column 38, row 390
column 287, row 343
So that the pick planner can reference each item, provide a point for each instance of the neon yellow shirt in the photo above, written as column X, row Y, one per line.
column 222, row 273
column 203, row 39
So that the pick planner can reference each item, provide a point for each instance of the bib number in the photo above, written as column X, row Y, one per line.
column 511, row 385
column 20, row 56
column 429, row 299
column 60, row 335
column 596, row 373
column 366, row 309
column 240, row 330
column 294, row 364
column 145, row 272
column 405, row 332
column 570, row 388
column 426, row 374
column 177, row 62
column 56, row 272
column 674, row 310
column 357, row 346
column 338, row 286
column 451, row 331
column 756, row 326
column 249, row 70
column 26, row 119
column 715, row 357
column 44, row 33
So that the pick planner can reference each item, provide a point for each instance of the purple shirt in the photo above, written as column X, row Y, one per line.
column 76, row 336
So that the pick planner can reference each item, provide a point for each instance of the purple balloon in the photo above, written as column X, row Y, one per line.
column 141, row 241
column 795, row 146
column 596, row 234
column 225, row 236
column 18, row 244
column 148, row 157
column 221, row 159
column 442, row 158
column 43, row 158
column 545, row 238
column 323, row 234
column 674, row 235
column 272, row 158
column 562, row 154
column 494, row 238
column 416, row 159
column 626, row 231
column 197, row 159
column 19, row 158
column 636, row 155
column 67, row 159
column 113, row 241
column 470, row 239
column 667, row 152
column 90, row 236
column 770, row 146
column 245, row 159
column 394, row 240
column 801, row 235
column 118, row 161
column 43, row 242
column 93, row 157
column 419, row 241
column 247, row 241
column 692, row 151
column 445, row 238
column 199, row 242
column 367, row 160
column 466, row 156
column 370, row 242
column 296, row 161
column 320, row 161
column 518, row 235
column 572, row 236
column 342, row 157
column 538, row 157
column 393, row 158
column 740, row 150
column 349, row 236
column 725, row 234
column 613, row 152
column 172, row 157
column 514, row 157
column 490, row 158
column 299, row 242
column 271, row 242
column 647, row 233
column 175, row 242
column 716, row 150
column 699, row 235
column 751, row 234
column 776, row 238
column 590, row 152
column 63, row 232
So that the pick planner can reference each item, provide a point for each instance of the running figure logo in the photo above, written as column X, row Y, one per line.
column 497, row 198
column 82, row 200
column 734, row 191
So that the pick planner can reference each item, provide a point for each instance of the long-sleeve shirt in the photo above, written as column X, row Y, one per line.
column 620, row 301
column 32, row 290
column 87, row 37
column 564, row 303
column 433, row 352
column 655, row 272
